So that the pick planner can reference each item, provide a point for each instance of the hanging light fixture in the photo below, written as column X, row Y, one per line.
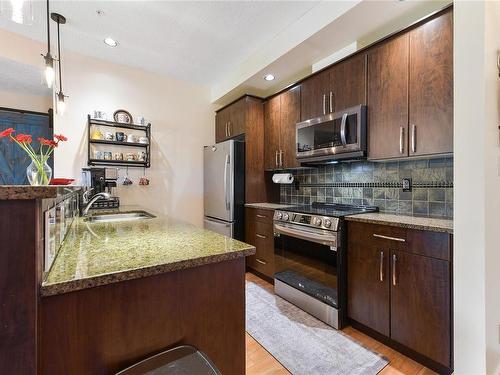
column 60, row 103
column 48, row 67
column 18, row 11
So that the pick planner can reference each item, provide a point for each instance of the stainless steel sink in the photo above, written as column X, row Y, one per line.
column 123, row 216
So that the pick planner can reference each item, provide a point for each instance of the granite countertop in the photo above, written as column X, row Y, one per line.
column 405, row 221
column 268, row 206
column 94, row 254
column 26, row 192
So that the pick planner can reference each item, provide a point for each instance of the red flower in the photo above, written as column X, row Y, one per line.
column 47, row 142
column 6, row 132
column 23, row 138
column 60, row 137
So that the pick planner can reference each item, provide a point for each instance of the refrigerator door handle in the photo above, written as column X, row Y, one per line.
column 226, row 200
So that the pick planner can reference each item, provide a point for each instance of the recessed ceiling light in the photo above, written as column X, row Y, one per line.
column 269, row 77
column 111, row 42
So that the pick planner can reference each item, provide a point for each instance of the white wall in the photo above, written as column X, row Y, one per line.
column 27, row 102
column 477, row 188
column 182, row 121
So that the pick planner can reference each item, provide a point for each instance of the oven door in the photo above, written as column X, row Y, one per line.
column 334, row 136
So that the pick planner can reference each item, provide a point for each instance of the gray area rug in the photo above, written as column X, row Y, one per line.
column 302, row 343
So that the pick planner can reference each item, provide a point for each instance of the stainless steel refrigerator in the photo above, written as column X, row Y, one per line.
column 224, row 188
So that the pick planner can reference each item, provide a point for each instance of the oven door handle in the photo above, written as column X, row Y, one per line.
column 307, row 235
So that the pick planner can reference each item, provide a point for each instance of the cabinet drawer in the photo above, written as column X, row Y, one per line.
column 382, row 235
column 264, row 216
column 263, row 261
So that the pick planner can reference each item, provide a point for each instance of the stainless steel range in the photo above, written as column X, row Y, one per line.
column 310, row 257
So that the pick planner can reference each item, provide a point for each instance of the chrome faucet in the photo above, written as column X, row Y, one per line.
column 94, row 198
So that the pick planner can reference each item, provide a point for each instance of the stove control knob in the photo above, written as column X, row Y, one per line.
column 327, row 223
column 317, row 221
column 279, row 215
column 285, row 216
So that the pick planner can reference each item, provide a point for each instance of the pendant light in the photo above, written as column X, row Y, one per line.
column 48, row 70
column 60, row 103
column 18, row 11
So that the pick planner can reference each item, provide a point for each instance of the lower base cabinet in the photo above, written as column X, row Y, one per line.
column 400, row 286
column 259, row 232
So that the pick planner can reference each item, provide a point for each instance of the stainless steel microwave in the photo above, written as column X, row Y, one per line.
column 335, row 136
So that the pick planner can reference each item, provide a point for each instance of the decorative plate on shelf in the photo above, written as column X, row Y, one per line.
column 122, row 116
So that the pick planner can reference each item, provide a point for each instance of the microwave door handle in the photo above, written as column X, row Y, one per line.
column 342, row 130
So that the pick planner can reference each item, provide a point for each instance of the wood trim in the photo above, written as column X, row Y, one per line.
column 237, row 100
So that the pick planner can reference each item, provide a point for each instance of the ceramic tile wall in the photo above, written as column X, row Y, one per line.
column 378, row 184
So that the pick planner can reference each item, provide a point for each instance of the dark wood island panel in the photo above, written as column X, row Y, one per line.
column 108, row 328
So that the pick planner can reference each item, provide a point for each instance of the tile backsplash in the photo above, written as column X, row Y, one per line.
column 378, row 184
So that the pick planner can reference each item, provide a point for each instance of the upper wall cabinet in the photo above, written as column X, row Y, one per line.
column 230, row 121
column 281, row 114
column 431, row 87
column 334, row 89
column 410, row 92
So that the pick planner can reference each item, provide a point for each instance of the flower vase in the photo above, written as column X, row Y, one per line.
column 39, row 173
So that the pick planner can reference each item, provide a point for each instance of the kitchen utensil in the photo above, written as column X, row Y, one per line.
column 141, row 156
column 143, row 140
column 96, row 134
column 108, row 136
column 120, row 136
column 123, row 116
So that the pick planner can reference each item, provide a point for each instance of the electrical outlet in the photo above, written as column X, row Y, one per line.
column 406, row 184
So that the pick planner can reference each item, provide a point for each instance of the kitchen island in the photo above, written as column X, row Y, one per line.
column 117, row 292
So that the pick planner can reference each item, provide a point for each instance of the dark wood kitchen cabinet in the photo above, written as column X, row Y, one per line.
column 230, row 121
column 259, row 232
column 410, row 92
column 281, row 114
column 388, row 99
column 400, row 287
column 341, row 86
column 431, row 87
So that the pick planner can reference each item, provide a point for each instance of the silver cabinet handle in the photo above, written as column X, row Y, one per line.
column 281, row 158
column 261, row 216
column 227, row 131
column 343, row 138
column 413, row 138
column 260, row 261
column 261, row 236
column 276, row 158
column 394, row 259
column 324, row 104
column 381, row 269
column 401, row 136
column 229, row 125
column 331, row 101
column 389, row 238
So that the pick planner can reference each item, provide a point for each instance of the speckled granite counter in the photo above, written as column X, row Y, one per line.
column 405, row 221
column 268, row 206
column 19, row 192
column 96, row 254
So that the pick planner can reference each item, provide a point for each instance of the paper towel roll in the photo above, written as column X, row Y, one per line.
column 282, row 178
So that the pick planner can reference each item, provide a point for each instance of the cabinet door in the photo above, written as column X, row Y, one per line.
column 290, row 116
column 349, row 83
column 420, row 304
column 314, row 102
column 431, row 87
column 236, row 121
column 388, row 99
column 272, row 109
column 221, row 119
column 368, row 286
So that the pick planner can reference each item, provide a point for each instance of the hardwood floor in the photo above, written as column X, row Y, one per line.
column 261, row 362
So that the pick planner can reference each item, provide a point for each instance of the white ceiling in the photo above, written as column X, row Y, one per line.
column 21, row 79
column 193, row 41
